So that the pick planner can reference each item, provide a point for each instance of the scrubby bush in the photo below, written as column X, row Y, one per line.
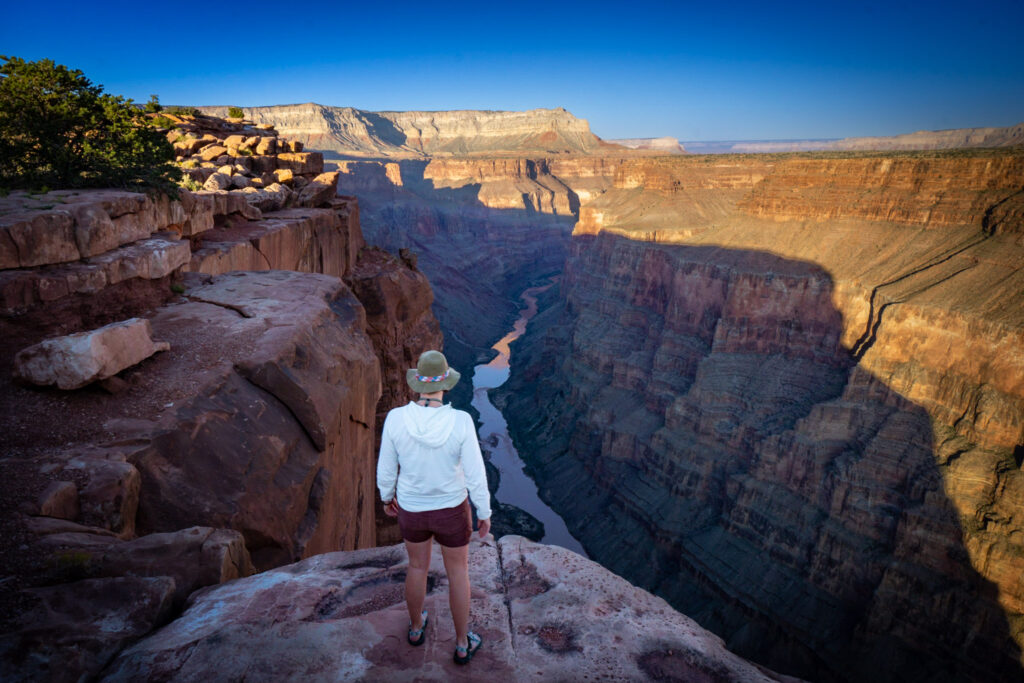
column 57, row 129
column 153, row 106
column 235, row 113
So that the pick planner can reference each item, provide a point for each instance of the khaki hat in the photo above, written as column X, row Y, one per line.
column 431, row 374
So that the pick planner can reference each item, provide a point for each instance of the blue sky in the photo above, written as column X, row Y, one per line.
column 696, row 71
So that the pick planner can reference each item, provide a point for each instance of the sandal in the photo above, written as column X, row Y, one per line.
column 464, row 654
column 418, row 636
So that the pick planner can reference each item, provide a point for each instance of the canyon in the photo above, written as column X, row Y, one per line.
column 787, row 394
column 784, row 394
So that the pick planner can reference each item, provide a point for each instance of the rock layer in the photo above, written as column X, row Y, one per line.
column 794, row 386
column 544, row 614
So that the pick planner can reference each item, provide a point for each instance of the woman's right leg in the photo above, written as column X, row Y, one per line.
column 416, row 579
column 456, row 566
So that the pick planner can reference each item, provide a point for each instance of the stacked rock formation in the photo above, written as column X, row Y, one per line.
column 247, row 443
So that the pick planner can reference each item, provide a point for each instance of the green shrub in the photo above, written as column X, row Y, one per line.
column 162, row 122
column 235, row 113
column 183, row 111
column 153, row 106
column 190, row 183
column 58, row 129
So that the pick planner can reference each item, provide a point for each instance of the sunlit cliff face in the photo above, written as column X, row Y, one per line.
column 796, row 386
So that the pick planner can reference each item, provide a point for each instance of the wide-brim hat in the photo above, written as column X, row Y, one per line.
column 431, row 374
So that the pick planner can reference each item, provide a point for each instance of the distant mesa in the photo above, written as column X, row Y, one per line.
column 346, row 132
column 954, row 138
column 667, row 145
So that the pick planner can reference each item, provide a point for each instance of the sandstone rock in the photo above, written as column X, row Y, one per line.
column 227, row 170
column 321, row 190
column 544, row 614
column 60, row 499
column 73, row 630
column 295, row 146
column 110, row 497
column 225, row 160
column 283, row 176
column 299, row 182
column 217, row 181
column 271, row 198
column 302, row 163
column 234, row 141
column 239, row 181
column 303, row 370
column 74, row 361
column 193, row 557
column 266, row 145
column 212, row 152
column 263, row 163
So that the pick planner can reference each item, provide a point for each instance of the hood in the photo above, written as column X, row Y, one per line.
column 429, row 426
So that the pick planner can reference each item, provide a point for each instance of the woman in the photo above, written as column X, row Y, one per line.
column 429, row 457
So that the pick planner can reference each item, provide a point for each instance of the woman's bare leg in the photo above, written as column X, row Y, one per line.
column 456, row 566
column 416, row 579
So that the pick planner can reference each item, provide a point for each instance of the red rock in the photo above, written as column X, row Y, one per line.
column 74, row 629
column 110, row 497
column 60, row 499
column 544, row 614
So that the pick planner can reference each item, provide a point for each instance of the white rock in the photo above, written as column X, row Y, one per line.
column 76, row 360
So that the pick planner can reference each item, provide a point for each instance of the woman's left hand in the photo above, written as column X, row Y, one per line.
column 484, row 525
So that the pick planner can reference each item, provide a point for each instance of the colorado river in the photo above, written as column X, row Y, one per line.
column 514, row 487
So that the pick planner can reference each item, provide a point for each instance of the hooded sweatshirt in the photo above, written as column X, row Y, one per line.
column 431, row 456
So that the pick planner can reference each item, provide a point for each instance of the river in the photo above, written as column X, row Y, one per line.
column 514, row 487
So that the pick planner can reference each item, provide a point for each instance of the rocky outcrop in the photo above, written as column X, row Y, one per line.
column 544, row 614
column 251, row 441
column 344, row 131
column 794, row 386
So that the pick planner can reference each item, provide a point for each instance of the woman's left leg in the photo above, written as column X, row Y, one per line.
column 416, row 579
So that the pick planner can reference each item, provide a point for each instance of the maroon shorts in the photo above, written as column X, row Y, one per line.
column 451, row 526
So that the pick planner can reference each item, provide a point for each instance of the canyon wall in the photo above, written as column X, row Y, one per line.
column 240, row 438
column 342, row 132
column 482, row 230
column 788, row 395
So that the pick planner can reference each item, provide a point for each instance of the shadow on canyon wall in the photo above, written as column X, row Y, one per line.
column 692, row 414
column 477, row 258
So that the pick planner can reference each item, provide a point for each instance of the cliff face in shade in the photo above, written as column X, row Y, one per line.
column 346, row 132
column 788, row 395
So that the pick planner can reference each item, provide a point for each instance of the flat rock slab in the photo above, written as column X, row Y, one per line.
column 544, row 612
column 74, row 629
column 76, row 360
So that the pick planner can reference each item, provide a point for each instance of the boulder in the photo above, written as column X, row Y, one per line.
column 226, row 169
column 212, row 152
column 59, row 499
column 320, row 191
column 266, row 146
column 271, row 198
column 76, row 360
column 239, row 181
column 71, row 631
column 234, row 141
column 110, row 497
column 217, row 181
column 284, row 176
column 302, row 163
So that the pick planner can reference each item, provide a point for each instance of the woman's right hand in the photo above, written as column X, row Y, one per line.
column 391, row 509
column 484, row 525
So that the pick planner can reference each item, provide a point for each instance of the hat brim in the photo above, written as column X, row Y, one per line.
column 429, row 387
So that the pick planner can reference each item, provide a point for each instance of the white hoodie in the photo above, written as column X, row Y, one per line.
column 434, row 457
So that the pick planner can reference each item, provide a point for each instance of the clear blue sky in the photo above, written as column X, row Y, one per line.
column 696, row 71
